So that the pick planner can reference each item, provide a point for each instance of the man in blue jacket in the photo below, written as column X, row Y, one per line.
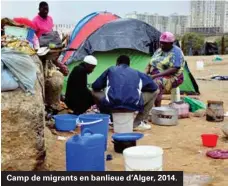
column 126, row 89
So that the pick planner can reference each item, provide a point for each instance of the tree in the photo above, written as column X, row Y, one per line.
column 192, row 42
column 223, row 44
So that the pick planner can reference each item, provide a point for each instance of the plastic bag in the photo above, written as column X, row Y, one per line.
column 7, row 80
column 52, row 38
column 194, row 104
column 217, row 58
column 22, row 67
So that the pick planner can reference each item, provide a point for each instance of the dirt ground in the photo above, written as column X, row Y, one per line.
column 182, row 145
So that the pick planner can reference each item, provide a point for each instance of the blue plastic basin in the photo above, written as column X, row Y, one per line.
column 65, row 122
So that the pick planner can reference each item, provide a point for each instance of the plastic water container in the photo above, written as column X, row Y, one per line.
column 123, row 122
column 65, row 122
column 85, row 152
column 199, row 65
column 97, row 123
column 143, row 158
column 175, row 94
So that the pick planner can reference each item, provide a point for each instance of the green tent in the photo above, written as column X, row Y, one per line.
column 139, row 62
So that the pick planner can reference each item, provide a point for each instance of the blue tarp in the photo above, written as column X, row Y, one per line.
column 120, row 34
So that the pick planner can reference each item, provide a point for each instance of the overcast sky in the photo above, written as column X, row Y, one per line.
column 72, row 11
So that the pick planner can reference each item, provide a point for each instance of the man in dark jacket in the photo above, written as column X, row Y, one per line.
column 127, row 89
column 78, row 97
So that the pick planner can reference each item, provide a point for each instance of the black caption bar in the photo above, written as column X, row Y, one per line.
column 158, row 178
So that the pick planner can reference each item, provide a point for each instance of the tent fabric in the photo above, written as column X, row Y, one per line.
column 107, row 40
column 83, row 31
column 139, row 61
column 120, row 33
column 189, row 86
column 81, row 24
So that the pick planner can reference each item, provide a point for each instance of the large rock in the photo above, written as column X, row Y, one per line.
column 23, row 122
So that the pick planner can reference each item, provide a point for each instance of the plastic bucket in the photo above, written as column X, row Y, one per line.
column 143, row 158
column 175, row 95
column 119, row 146
column 123, row 122
column 65, row 122
column 97, row 123
column 199, row 65
column 209, row 140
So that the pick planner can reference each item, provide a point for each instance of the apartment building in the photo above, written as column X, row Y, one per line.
column 209, row 16
column 174, row 23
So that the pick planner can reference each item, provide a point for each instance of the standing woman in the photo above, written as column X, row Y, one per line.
column 166, row 66
column 43, row 21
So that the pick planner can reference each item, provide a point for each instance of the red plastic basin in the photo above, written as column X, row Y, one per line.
column 209, row 140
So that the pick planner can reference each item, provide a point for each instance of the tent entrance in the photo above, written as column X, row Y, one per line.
column 139, row 62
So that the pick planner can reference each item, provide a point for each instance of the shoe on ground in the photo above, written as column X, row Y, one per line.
column 143, row 126
column 111, row 125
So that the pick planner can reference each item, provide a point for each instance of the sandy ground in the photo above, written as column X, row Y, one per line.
column 182, row 145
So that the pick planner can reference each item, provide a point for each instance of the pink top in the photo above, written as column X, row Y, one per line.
column 43, row 25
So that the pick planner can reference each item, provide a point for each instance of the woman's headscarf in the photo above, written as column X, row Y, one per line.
column 167, row 37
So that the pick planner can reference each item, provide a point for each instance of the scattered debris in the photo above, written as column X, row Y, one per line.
column 199, row 113
column 218, row 154
column 109, row 157
column 207, row 78
column 186, row 164
column 62, row 138
column 225, row 129
column 220, row 78
column 196, row 179
column 167, row 147
column 147, row 135
column 217, row 58
column 226, row 114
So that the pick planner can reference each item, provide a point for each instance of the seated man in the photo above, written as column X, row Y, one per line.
column 127, row 89
column 42, row 21
column 78, row 97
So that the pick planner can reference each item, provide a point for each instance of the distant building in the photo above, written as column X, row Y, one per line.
column 209, row 16
column 175, row 23
column 178, row 24
column 64, row 28
column 224, row 18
